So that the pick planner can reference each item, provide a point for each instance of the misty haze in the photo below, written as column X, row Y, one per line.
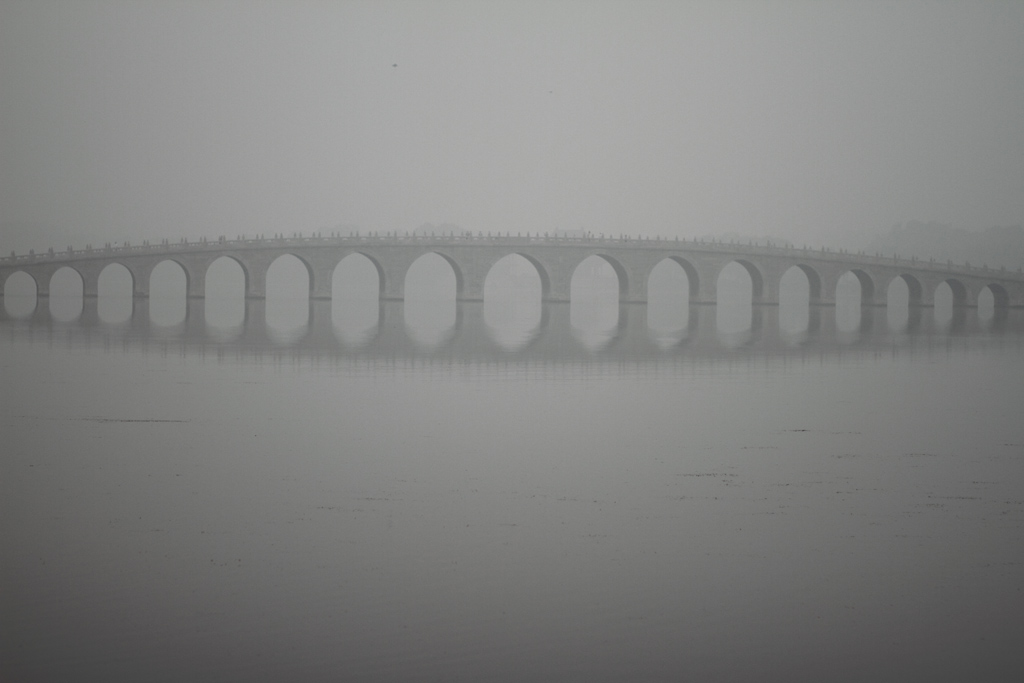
column 562, row 341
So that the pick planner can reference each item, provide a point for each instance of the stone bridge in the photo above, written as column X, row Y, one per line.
column 555, row 259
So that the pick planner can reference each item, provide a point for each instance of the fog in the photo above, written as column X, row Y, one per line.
column 819, row 123
column 544, row 456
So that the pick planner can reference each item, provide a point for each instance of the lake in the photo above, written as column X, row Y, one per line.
column 379, row 492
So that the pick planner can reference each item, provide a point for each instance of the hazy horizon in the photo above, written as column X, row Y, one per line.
column 822, row 123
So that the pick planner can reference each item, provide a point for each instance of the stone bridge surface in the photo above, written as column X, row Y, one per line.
column 555, row 259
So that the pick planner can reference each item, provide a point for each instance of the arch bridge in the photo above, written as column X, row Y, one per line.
column 554, row 258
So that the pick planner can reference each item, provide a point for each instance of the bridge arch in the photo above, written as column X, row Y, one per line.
column 168, row 292
column 288, row 288
column 1000, row 296
column 515, row 272
column 799, row 290
column 904, row 298
column 864, row 283
column 672, row 284
column 67, row 281
column 357, row 286
column 729, row 272
column 854, row 291
column 359, row 274
column 513, row 296
column 915, row 290
column 622, row 282
column 419, row 262
column 993, row 304
column 66, row 291
column 16, row 284
column 115, row 292
column 20, row 291
column 813, row 280
column 225, row 283
column 431, row 287
column 167, row 273
column 220, row 272
column 692, row 277
column 959, row 290
column 542, row 273
column 950, row 300
column 597, row 287
column 616, row 266
column 756, row 277
column 277, row 263
column 115, row 280
column 738, row 287
column 459, row 277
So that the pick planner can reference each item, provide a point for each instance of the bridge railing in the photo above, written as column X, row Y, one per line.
column 393, row 237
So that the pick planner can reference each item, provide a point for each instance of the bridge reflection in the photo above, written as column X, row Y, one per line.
column 386, row 334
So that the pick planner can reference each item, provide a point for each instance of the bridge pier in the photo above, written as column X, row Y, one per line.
column 559, row 287
column 393, row 272
column 470, row 274
column 256, row 278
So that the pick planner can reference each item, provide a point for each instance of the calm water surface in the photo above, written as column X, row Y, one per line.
column 230, row 510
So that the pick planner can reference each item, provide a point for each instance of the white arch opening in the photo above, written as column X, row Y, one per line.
column 115, row 288
column 168, row 294
column 20, row 295
column 594, row 302
column 794, row 303
column 849, row 303
column 897, row 305
column 355, row 300
column 224, row 287
column 430, row 300
column 668, row 303
column 512, row 301
column 943, row 311
column 734, row 313
column 287, row 299
column 66, row 289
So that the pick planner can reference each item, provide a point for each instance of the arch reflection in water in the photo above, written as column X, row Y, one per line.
column 594, row 310
column 114, row 291
column 168, row 295
column 430, row 311
column 668, row 304
column 512, row 302
column 950, row 306
column 20, row 299
column 289, row 281
column 735, row 320
column 224, row 304
column 851, row 316
column 355, row 301
column 66, row 290
column 900, row 313
column 795, row 311
column 473, row 342
column 986, row 307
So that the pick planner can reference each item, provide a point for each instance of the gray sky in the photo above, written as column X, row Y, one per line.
column 820, row 122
